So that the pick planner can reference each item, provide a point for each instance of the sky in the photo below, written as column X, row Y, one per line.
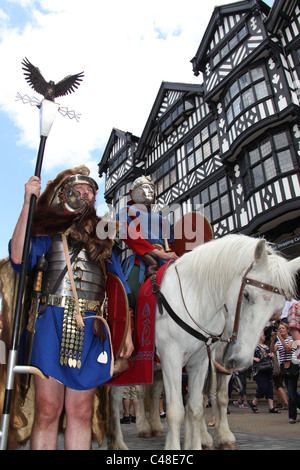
column 126, row 49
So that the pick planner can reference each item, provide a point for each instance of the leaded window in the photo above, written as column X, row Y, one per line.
column 267, row 160
column 165, row 175
column 215, row 200
column 244, row 92
column 230, row 45
column 203, row 145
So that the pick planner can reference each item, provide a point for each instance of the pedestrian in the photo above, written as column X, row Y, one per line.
column 263, row 375
column 129, row 401
column 289, row 302
column 242, row 402
column 284, row 345
column 294, row 321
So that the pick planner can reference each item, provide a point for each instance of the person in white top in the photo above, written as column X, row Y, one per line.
column 288, row 303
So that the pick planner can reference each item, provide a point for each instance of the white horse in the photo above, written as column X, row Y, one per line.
column 213, row 290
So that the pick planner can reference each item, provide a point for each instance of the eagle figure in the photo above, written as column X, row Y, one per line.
column 50, row 90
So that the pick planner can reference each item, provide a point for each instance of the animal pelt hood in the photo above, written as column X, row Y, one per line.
column 51, row 220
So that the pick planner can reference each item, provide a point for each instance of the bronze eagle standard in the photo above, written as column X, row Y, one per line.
column 50, row 90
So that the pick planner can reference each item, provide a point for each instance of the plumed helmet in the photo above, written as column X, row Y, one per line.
column 137, row 190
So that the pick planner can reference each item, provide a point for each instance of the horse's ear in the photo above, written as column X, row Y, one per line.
column 260, row 254
column 294, row 265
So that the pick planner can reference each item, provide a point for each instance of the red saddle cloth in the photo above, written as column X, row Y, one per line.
column 141, row 362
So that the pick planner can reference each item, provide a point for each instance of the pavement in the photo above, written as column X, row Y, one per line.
column 261, row 431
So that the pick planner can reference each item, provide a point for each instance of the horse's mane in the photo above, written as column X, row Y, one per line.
column 227, row 255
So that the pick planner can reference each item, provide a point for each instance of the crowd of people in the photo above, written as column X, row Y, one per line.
column 275, row 367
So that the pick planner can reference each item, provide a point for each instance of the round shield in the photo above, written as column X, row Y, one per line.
column 191, row 230
column 118, row 316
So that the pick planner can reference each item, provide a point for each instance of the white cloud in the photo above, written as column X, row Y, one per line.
column 126, row 50
column 3, row 16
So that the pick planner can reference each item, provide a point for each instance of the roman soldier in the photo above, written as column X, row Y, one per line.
column 71, row 344
column 146, row 233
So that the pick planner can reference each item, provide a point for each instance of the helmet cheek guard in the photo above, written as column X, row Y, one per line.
column 69, row 197
column 143, row 190
column 71, row 200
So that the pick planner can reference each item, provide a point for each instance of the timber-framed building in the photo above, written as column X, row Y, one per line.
column 230, row 144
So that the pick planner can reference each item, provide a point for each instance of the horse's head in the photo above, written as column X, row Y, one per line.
column 257, row 301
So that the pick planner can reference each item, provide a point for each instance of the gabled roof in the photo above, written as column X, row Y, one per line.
column 280, row 15
column 220, row 12
column 115, row 134
column 158, row 109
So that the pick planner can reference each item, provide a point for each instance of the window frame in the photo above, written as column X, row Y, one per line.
column 165, row 175
column 118, row 159
column 201, row 146
column 257, row 164
column 228, row 46
column 211, row 198
column 256, row 86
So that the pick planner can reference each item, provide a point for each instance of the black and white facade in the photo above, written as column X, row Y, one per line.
column 230, row 145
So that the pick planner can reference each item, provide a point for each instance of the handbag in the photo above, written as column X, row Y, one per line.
column 288, row 369
column 276, row 367
column 264, row 366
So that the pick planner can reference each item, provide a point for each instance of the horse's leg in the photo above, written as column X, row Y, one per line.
column 114, row 435
column 224, row 437
column 172, row 377
column 142, row 424
column 207, row 441
column 148, row 421
column 154, row 416
column 193, row 422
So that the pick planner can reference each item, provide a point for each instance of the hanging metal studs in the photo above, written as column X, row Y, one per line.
column 72, row 335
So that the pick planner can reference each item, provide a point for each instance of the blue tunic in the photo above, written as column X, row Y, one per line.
column 47, row 338
column 150, row 226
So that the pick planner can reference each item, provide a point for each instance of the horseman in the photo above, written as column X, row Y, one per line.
column 74, row 356
column 146, row 233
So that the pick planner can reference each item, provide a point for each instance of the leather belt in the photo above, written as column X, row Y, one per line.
column 59, row 301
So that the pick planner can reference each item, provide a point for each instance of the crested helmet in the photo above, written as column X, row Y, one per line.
column 143, row 190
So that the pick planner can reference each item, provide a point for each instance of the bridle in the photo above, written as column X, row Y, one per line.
column 246, row 281
column 210, row 338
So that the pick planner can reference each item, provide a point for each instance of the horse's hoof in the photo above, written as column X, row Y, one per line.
column 157, row 434
column 228, row 446
column 145, row 435
column 208, row 448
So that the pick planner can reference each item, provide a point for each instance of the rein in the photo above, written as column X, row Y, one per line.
column 162, row 301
